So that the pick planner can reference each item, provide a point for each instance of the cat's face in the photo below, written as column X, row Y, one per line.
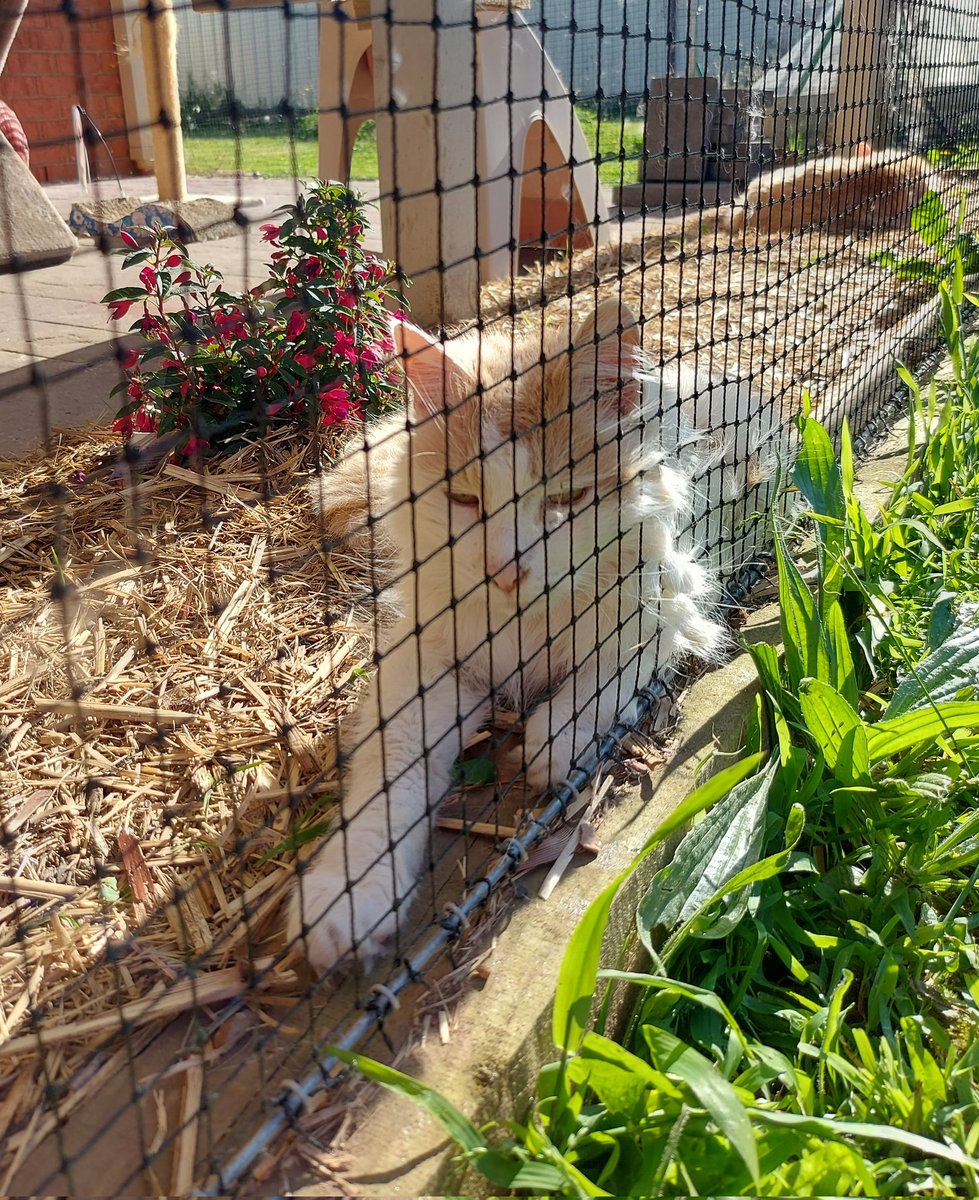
column 523, row 459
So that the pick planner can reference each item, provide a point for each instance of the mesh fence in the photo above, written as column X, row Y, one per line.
column 409, row 512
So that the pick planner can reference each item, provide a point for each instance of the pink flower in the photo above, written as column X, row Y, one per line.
column 174, row 260
column 123, row 425
column 130, row 241
column 77, row 477
column 196, row 445
column 261, row 372
column 337, row 404
column 312, row 268
column 150, row 324
column 296, row 326
column 343, row 344
column 270, row 232
column 321, row 234
column 347, row 300
column 338, row 394
column 129, row 359
column 135, row 389
column 148, row 279
column 231, row 324
column 369, row 356
column 183, row 277
column 145, row 422
column 399, row 315
column 306, row 361
column 119, row 308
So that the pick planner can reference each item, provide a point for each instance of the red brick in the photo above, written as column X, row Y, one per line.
column 23, row 88
column 45, row 111
column 100, row 89
column 55, row 63
column 41, row 39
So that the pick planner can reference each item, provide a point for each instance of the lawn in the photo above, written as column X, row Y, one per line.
column 272, row 153
column 269, row 150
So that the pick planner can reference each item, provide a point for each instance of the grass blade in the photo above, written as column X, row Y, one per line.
column 832, row 1128
column 711, row 854
column 710, row 1087
column 579, row 967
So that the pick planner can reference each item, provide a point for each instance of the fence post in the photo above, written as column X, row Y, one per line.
column 159, row 36
column 424, row 81
column 860, row 78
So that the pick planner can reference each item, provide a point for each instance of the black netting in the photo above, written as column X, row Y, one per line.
column 354, row 528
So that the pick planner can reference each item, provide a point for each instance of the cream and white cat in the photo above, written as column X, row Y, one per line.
column 534, row 519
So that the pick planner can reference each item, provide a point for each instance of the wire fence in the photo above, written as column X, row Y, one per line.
column 290, row 697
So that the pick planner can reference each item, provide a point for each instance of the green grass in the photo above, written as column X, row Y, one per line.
column 272, row 154
column 617, row 143
column 269, row 151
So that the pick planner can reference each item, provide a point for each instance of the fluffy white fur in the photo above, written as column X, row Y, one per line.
column 728, row 443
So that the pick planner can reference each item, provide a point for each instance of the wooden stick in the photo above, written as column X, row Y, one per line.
column 185, row 1154
column 488, row 828
column 211, row 988
column 37, row 889
column 117, row 712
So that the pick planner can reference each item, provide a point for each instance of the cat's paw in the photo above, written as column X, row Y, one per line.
column 546, row 757
column 333, row 920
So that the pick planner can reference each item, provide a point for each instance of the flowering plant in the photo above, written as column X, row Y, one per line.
column 309, row 345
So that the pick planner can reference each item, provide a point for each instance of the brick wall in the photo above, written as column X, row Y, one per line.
column 57, row 61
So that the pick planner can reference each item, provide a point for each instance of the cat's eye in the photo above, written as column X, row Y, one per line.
column 568, row 497
column 466, row 499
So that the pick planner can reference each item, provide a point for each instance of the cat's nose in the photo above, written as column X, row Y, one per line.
column 509, row 577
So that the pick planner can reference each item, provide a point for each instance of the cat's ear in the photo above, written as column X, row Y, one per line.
column 427, row 367
column 611, row 318
column 613, row 331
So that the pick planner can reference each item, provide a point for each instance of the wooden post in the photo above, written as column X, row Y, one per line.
column 159, row 36
column 859, row 90
column 424, row 82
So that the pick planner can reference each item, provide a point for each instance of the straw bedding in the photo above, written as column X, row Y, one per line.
column 172, row 679
column 177, row 655
column 794, row 316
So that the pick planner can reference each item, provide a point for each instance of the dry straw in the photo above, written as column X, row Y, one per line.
column 176, row 656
